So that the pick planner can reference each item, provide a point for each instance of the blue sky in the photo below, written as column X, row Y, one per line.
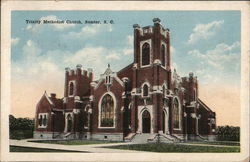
column 204, row 42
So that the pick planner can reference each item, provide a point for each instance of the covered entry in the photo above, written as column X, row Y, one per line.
column 146, row 122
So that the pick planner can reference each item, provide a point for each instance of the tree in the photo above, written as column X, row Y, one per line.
column 228, row 133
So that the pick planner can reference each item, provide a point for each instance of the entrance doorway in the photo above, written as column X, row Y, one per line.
column 70, row 124
column 146, row 122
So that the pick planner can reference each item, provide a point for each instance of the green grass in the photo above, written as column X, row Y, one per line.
column 32, row 149
column 74, row 142
column 175, row 148
column 228, row 143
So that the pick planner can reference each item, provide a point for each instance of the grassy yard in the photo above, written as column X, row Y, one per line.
column 228, row 143
column 32, row 149
column 74, row 142
column 175, row 148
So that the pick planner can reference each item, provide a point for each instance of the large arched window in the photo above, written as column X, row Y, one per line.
column 176, row 113
column 71, row 88
column 163, row 55
column 107, row 111
column 145, row 54
column 145, row 90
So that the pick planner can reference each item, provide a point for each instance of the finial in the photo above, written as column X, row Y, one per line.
column 108, row 65
column 156, row 20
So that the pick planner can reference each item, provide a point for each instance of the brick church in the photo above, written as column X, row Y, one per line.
column 144, row 100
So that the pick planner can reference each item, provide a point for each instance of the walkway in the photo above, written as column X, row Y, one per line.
column 93, row 148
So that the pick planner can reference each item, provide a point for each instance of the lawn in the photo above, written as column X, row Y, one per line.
column 175, row 148
column 32, row 149
column 228, row 143
column 74, row 142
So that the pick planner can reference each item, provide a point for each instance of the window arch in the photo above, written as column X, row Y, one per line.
column 145, row 54
column 145, row 89
column 176, row 114
column 107, row 111
column 71, row 88
column 163, row 55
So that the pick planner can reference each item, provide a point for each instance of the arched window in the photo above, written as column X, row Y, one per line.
column 176, row 114
column 163, row 55
column 145, row 54
column 44, row 120
column 71, row 88
column 145, row 90
column 107, row 111
column 40, row 120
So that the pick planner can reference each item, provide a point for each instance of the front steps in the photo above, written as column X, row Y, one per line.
column 152, row 138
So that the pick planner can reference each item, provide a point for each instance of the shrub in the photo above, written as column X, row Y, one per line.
column 228, row 133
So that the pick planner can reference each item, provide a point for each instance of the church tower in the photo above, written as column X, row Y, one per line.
column 152, row 76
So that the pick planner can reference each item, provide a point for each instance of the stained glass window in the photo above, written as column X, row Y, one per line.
column 107, row 111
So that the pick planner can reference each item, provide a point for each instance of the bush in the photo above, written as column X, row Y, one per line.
column 228, row 133
column 20, row 128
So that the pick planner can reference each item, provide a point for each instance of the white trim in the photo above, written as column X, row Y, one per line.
column 43, row 115
column 74, row 89
column 166, row 113
column 47, row 97
column 180, row 118
column 141, row 109
column 149, row 41
column 99, row 110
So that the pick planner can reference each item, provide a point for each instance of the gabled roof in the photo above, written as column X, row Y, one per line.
column 204, row 105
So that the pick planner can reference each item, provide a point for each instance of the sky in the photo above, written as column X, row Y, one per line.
column 206, row 43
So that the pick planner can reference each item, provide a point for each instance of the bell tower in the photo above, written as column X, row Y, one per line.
column 152, row 44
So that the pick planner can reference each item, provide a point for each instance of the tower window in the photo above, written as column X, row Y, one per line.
column 71, row 88
column 145, row 90
column 108, row 79
column 145, row 54
column 163, row 55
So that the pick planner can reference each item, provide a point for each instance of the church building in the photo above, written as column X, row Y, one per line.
column 146, row 100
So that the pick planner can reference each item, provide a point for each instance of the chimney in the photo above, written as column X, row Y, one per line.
column 53, row 95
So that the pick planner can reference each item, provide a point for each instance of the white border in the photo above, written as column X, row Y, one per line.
column 7, row 6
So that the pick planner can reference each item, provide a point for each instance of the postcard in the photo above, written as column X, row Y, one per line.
column 124, row 81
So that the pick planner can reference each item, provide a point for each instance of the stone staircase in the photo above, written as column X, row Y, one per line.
column 143, row 137
column 152, row 138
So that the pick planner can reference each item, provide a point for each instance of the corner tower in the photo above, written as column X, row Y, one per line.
column 152, row 44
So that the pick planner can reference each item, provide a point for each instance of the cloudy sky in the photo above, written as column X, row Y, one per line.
column 204, row 42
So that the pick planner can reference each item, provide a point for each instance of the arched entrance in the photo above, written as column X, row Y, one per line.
column 70, row 124
column 146, row 122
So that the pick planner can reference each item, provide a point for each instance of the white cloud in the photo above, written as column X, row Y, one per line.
column 219, row 57
column 15, row 41
column 204, row 31
column 130, row 40
column 90, row 30
column 113, row 56
column 56, row 26
column 31, row 50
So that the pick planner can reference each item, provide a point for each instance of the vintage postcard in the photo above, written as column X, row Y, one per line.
column 101, row 81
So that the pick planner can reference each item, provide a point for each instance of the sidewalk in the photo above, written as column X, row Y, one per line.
column 93, row 148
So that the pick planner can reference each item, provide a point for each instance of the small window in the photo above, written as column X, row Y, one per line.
column 71, row 88
column 145, row 54
column 145, row 90
column 43, row 120
column 194, row 94
column 108, row 79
